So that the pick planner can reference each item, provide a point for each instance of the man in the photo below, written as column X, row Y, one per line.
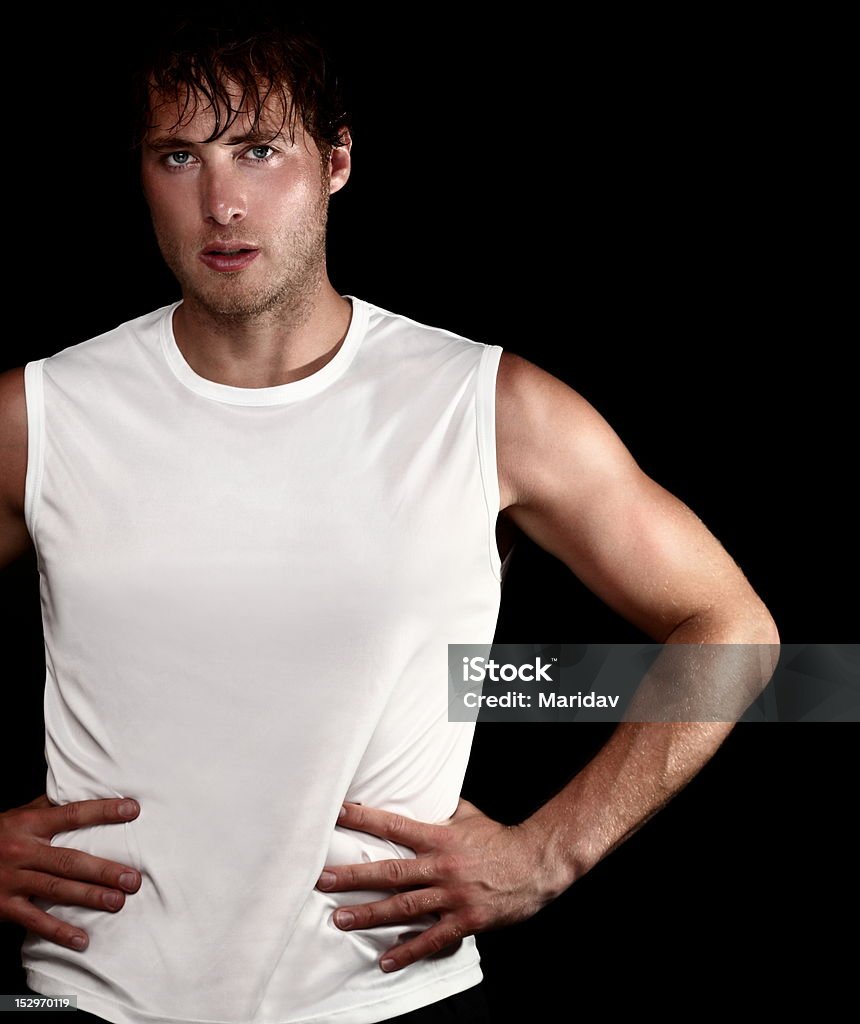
column 261, row 513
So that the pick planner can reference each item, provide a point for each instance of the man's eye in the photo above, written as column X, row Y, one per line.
column 179, row 159
column 256, row 151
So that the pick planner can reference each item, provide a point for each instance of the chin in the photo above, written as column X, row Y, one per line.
column 232, row 301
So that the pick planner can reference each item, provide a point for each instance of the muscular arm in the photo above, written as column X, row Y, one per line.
column 14, row 538
column 570, row 484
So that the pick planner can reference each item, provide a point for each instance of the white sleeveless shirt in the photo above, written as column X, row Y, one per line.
column 247, row 597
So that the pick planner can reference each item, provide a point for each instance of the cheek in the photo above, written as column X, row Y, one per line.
column 286, row 201
column 167, row 202
column 171, row 211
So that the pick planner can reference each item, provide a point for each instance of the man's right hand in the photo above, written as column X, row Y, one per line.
column 30, row 866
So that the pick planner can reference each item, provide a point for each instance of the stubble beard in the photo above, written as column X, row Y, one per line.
column 286, row 297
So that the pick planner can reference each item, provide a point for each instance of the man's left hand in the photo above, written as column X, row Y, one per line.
column 474, row 873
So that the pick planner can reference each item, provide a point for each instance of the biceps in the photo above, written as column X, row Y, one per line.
column 636, row 546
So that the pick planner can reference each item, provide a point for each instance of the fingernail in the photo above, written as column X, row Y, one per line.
column 128, row 808
column 78, row 942
column 112, row 900
column 341, row 813
column 344, row 919
column 327, row 880
column 388, row 965
column 127, row 880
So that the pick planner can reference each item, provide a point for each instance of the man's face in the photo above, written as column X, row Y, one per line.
column 239, row 191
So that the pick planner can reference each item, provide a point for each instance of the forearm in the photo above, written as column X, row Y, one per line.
column 636, row 773
column 645, row 763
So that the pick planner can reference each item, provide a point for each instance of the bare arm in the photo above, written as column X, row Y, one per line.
column 14, row 538
column 571, row 485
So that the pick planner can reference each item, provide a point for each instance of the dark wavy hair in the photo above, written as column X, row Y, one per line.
column 201, row 50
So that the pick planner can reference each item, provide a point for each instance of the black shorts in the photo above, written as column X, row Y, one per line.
column 467, row 1007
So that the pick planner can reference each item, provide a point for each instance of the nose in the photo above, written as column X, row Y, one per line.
column 224, row 197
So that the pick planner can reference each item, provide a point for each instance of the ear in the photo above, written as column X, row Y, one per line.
column 340, row 162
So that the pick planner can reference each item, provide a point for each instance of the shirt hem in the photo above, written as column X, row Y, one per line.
column 365, row 1013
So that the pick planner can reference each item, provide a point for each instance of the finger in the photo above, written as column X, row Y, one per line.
column 419, row 835
column 403, row 907
column 379, row 874
column 48, row 821
column 80, row 866
column 48, row 927
column 82, row 813
column 64, row 890
column 439, row 937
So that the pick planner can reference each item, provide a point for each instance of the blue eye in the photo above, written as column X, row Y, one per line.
column 254, row 149
column 179, row 163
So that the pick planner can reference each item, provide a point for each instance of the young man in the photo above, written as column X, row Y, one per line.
column 261, row 513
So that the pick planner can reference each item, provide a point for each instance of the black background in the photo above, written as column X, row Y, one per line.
column 639, row 207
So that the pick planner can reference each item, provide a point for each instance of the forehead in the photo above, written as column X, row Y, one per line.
column 190, row 112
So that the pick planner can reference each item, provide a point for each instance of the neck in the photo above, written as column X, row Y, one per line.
column 266, row 349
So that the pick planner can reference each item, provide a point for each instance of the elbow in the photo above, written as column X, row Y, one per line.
column 730, row 624
column 763, row 629
column 758, row 631
column 773, row 635
column 749, row 621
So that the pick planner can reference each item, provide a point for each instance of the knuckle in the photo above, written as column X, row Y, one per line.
column 12, row 850
column 395, row 871
column 108, row 874
column 71, row 814
column 64, row 863
column 397, row 824
column 94, row 897
column 51, row 887
column 450, row 865
column 438, row 940
column 471, row 919
column 59, row 932
column 410, row 903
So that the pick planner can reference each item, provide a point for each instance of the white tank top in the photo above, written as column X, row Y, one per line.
column 247, row 597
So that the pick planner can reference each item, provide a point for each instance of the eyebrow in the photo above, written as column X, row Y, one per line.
column 174, row 142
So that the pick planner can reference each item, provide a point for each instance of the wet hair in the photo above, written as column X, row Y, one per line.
column 202, row 50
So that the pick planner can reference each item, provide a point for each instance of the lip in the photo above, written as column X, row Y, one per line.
column 228, row 263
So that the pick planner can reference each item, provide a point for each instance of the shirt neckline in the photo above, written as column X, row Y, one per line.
column 278, row 394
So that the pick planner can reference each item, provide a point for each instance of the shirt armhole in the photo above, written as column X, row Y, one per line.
column 34, row 394
column 485, row 408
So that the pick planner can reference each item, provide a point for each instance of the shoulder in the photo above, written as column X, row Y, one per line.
column 548, row 436
column 114, row 343
column 406, row 342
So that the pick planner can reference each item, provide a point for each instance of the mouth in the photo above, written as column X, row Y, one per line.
column 226, row 252
column 226, row 260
